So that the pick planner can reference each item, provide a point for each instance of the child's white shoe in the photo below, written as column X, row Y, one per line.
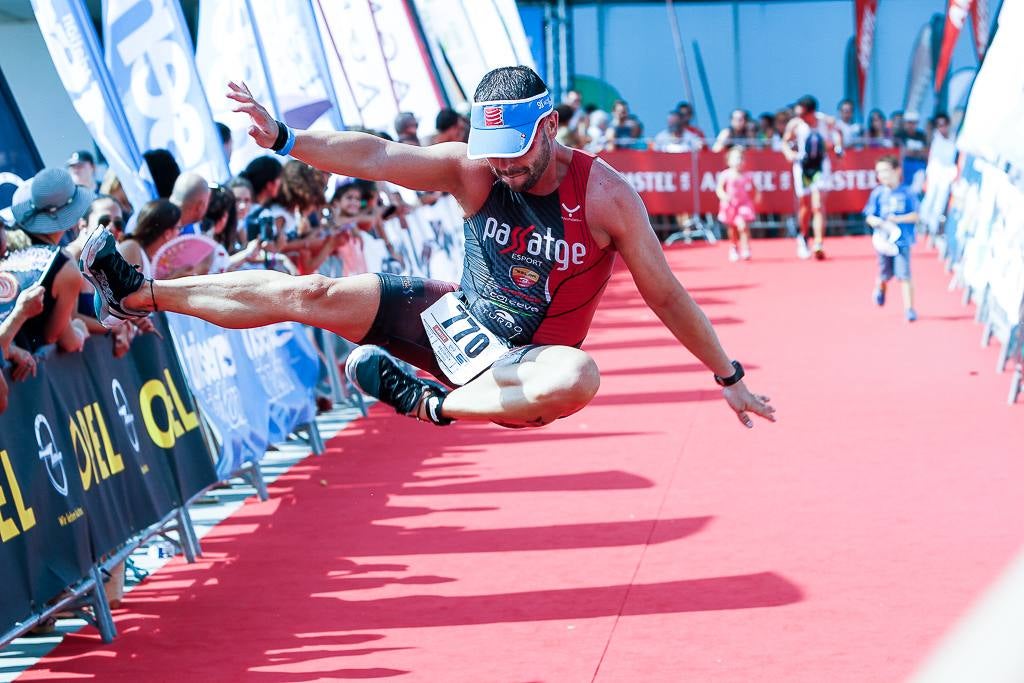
column 733, row 254
column 745, row 254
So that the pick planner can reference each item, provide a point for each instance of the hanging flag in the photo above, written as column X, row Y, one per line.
column 513, row 24
column 866, row 17
column 150, row 57
column 74, row 48
column 980, row 27
column 412, row 75
column 19, row 159
column 455, row 44
column 298, row 70
column 356, row 59
column 228, row 50
column 956, row 16
column 921, row 71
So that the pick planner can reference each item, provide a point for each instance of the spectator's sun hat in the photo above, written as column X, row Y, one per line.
column 50, row 202
column 506, row 128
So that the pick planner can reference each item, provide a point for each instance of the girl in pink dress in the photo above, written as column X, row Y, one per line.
column 736, row 193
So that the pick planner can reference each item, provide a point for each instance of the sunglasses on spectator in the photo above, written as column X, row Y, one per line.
column 105, row 220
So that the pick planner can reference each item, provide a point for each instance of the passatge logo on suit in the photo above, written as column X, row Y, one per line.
column 522, row 243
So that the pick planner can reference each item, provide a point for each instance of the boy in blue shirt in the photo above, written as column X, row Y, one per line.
column 892, row 212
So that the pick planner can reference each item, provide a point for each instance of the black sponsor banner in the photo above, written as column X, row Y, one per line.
column 92, row 450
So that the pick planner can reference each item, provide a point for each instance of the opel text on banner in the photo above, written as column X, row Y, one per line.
column 92, row 450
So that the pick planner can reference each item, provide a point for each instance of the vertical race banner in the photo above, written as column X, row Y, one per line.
column 513, row 24
column 980, row 27
column 298, row 68
column 150, row 57
column 454, row 44
column 73, row 46
column 866, row 16
column 355, row 57
column 412, row 75
column 19, row 158
column 228, row 49
column 956, row 17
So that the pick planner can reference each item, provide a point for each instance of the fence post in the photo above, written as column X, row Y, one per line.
column 101, row 608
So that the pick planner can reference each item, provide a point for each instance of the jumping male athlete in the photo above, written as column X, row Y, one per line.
column 543, row 225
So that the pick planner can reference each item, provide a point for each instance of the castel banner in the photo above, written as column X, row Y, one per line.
column 92, row 450
column 673, row 183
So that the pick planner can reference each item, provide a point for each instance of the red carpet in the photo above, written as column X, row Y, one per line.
column 649, row 537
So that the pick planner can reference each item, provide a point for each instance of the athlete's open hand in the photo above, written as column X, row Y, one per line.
column 264, row 128
column 743, row 402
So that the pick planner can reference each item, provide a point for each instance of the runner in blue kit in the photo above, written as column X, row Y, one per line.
column 544, row 224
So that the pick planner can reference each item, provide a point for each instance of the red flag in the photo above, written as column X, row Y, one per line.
column 866, row 15
column 956, row 17
column 979, row 25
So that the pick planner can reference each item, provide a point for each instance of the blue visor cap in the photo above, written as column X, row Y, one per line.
column 505, row 128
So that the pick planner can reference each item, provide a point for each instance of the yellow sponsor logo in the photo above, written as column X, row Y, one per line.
column 166, row 426
column 9, row 487
column 94, row 451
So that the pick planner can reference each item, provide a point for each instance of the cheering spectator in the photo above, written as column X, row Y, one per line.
column 111, row 187
column 406, row 127
column 225, row 139
column 676, row 137
column 82, row 167
column 163, row 169
column 103, row 212
column 598, row 132
column 221, row 224
column 876, row 134
column 735, row 134
column 45, row 207
column 567, row 135
column 736, row 203
column 242, row 190
column 942, row 128
column 847, row 127
column 296, row 213
column 451, row 127
column 264, row 174
column 910, row 138
column 157, row 225
column 685, row 110
column 192, row 195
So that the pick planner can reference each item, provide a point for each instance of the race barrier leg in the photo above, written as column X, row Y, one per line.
column 101, row 617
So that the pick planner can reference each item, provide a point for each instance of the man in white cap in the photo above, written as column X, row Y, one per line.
column 544, row 225
column 82, row 167
column 45, row 207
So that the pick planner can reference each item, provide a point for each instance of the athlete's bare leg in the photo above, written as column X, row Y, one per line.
column 346, row 306
column 804, row 216
column 818, row 213
column 550, row 382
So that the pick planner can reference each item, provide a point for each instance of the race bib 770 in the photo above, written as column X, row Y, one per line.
column 462, row 345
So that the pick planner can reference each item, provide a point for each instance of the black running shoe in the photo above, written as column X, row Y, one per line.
column 375, row 373
column 112, row 276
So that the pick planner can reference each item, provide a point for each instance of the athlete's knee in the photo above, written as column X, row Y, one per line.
column 569, row 381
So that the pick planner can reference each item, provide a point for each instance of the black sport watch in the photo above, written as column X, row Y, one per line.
column 733, row 378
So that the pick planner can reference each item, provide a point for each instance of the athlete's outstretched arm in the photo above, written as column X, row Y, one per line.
column 442, row 167
column 622, row 215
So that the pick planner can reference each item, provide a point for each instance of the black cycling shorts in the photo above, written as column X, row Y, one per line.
column 399, row 329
